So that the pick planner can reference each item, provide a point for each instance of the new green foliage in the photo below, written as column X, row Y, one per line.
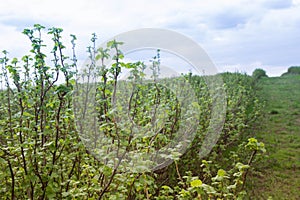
column 43, row 157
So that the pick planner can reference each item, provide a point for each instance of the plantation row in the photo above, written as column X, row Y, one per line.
column 135, row 139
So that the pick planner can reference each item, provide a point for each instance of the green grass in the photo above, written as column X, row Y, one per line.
column 279, row 170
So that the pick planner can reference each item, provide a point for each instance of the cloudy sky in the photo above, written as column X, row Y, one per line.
column 238, row 35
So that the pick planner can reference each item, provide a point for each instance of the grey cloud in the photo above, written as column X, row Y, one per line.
column 227, row 20
column 277, row 4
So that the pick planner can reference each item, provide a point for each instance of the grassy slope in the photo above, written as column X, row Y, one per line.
column 280, row 131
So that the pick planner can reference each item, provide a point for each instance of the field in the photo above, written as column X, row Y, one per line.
column 279, row 175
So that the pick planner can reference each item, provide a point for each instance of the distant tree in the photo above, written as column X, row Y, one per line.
column 259, row 73
column 293, row 70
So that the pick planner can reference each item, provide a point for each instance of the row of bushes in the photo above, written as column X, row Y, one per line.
column 43, row 157
column 259, row 73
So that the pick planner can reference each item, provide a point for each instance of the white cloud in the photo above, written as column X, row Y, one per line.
column 233, row 32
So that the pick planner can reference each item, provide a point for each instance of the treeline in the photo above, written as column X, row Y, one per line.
column 294, row 70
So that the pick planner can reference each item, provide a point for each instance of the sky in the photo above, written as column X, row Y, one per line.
column 238, row 35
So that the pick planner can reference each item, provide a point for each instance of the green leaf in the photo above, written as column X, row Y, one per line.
column 221, row 172
column 196, row 183
column 65, row 194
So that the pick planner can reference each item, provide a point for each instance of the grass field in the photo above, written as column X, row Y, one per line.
column 279, row 171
